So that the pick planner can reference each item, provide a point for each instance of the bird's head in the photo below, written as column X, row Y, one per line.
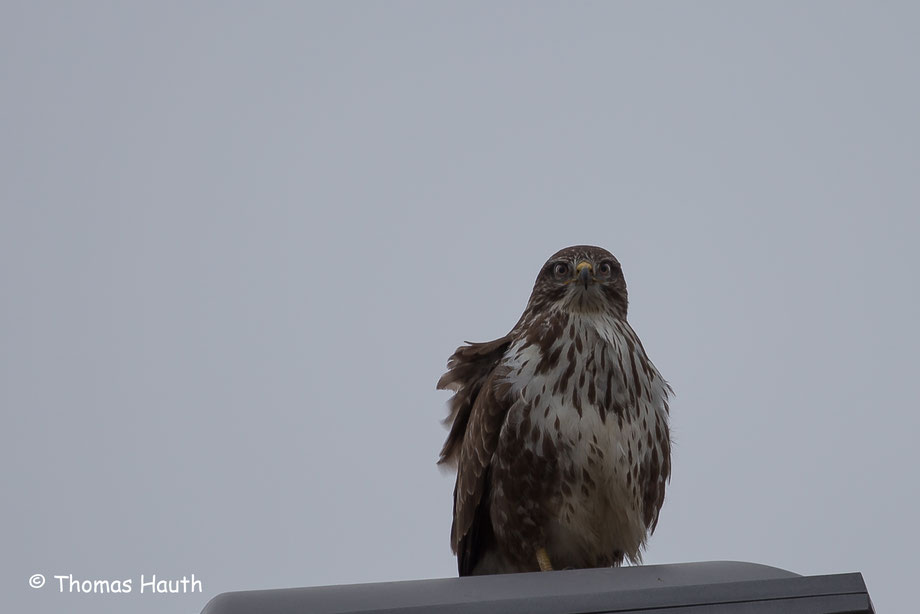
column 582, row 278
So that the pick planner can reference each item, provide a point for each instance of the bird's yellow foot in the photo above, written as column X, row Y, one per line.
column 543, row 560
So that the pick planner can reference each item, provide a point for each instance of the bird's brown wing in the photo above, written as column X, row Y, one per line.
column 656, row 471
column 467, row 370
column 478, row 410
column 472, row 531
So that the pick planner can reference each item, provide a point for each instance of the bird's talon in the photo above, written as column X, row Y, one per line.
column 543, row 560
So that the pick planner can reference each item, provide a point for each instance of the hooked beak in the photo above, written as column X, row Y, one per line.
column 584, row 272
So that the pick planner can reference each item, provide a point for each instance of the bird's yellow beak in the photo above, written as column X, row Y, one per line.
column 584, row 272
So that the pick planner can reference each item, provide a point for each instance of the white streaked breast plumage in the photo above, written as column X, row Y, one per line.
column 605, row 431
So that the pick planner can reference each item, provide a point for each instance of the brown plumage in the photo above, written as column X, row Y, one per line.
column 558, row 430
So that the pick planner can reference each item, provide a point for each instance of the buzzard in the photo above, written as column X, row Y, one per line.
column 558, row 430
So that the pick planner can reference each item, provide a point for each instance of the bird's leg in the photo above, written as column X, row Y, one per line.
column 543, row 560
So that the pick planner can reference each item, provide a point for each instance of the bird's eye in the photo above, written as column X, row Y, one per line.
column 561, row 269
column 605, row 268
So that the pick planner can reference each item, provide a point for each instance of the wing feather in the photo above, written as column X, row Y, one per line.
column 467, row 370
column 485, row 423
column 477, row 413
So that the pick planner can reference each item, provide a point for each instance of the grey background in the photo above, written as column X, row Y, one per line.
column 239, row 241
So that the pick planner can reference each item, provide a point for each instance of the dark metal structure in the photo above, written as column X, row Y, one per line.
column 720, row 587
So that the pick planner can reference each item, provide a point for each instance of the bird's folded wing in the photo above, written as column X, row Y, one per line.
column 467, row 370
column 479, row 444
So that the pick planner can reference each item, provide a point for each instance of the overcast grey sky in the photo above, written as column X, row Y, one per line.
column 239, row 241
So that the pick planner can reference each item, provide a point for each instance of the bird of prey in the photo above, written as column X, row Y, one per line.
column 558, row 430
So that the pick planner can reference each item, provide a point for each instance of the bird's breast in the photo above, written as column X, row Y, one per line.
column 591, row 397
